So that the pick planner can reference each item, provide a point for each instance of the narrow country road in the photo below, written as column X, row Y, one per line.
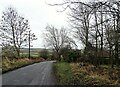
column 36, row 74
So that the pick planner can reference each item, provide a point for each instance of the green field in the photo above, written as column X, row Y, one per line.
column 33, row 54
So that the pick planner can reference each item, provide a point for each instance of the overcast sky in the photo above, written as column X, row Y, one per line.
column 39, row 15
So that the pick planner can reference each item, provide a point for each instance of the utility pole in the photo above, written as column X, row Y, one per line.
column 29, row 44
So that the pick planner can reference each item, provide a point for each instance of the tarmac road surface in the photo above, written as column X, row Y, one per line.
column 35, row 74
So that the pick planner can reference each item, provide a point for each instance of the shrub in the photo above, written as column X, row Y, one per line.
column 8, row 52
column 44, row 54
column 70, row 55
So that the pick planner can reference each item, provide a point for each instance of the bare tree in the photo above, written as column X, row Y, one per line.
column 14, row 30
column 79, row 19
column 57, row 39
column 96, row 24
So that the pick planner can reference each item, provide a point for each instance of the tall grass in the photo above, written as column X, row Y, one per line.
column 8, row 65
column 86, row 74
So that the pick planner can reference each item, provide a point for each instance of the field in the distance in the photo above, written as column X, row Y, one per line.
column 34, row 52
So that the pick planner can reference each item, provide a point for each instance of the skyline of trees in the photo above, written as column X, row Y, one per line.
column 57, row 39
column 14, row 30
column 97, row 25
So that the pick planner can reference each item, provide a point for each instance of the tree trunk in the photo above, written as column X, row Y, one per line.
column 111, row 57
column 16, row 48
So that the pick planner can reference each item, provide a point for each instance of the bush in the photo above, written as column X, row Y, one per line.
column 8, row 52
column 44, row 54
column 71, row 56
column 52, row 56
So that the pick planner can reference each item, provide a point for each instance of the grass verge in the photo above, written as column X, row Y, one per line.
column 63, row 73
column 86, row 74
column 9, row 65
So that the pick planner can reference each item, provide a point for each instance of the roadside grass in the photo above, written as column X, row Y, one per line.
column 9, row 65
column 87, row 74
column 63, row 73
